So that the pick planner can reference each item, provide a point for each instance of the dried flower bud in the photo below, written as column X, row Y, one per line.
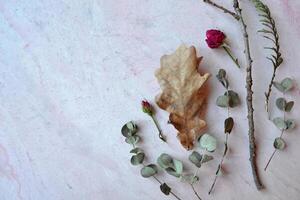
column 214, row 38
column 146, row 107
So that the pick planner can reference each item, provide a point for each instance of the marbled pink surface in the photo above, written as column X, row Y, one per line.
column 72, row 72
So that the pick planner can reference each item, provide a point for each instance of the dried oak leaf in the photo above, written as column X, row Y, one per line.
column 181, row 93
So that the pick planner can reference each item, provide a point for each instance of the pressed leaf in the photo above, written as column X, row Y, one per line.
column 289, row 106
column 129, row 129
column 223, row 101
column 149, row 170
column 280, row 123
column 182, row 94
column 165, row 161
column 228, row 125
column 165, row 189
column 290, row 124
column 196, row 158
column 137, row 159
column 208, row 142
column 278, row 86
column 178, row 166
column 234, row 99
column 206, row 158
column 287, row 84
column 172, row 172
column 132, row 139
column 279, row 143
column 281, row 103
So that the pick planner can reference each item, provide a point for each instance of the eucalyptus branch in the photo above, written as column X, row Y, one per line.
column 249, row 82
column 230, row 99
column 225, row 10
column 192, row 185
column 269, row 32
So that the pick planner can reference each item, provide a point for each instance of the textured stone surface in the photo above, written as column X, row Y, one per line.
column 72, row 72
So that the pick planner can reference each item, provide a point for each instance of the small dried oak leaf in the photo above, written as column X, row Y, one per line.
column 181, row 94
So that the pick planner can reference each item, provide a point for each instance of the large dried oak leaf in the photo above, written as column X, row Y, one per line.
column 181, row 93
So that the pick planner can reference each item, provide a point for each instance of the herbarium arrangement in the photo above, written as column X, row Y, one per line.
column 183, row 96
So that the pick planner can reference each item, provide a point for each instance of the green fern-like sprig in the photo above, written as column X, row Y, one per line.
column 269, row 32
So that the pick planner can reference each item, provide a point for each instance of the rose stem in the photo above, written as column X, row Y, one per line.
column 160, row 134
column 235, row 60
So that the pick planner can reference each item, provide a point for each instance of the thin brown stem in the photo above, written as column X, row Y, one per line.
column 197, row 195
column 249, row 82
column 225, row 10
column 275, row 150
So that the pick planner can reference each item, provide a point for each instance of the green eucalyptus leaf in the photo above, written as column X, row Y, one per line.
column 289, row 106
column 222, row 101
column 165, row 161
column 172, row 172
column 132, row 139
column 129, row 129
column 196, row 158
column 178, row 166
column 234, row 99
column 287, row 84
column 280, row 123
column 281, row 103
column 137, row 159
column 228, row 125
column 189, row 178
column 136, row 150
column 149, row 171
column 165, row 189
column 206, row 158
column 208, row 142
column 278, row 86
column 279, row 143
column 290, row 124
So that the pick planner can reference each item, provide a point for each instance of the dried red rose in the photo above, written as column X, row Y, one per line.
column 215, row 38
column 146, row 107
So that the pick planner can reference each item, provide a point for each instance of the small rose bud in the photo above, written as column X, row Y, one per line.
column 146, row 107
column 215, row 38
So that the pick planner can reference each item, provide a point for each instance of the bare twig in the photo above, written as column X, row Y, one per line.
column 195, row 192
column 249, row 82
column 222, row 8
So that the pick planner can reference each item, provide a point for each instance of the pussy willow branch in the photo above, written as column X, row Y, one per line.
column 249, row 82
column 225, row 10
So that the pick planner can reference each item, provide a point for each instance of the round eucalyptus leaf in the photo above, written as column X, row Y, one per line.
column 132, row 139
column 189, row 178
column 208, row 142
column 234, row 99
column 281, row 103
column 280, row 123
column 221, row 73
column 136, row 150
column 165, row 189
column 279, row 143
column 196, row 158
column 129, row 129
column 137, row 159
column 206, row 158
column 148, row 170
column 222, row 101
column 289, row 106
column 165, row 161
column 228, row 125
column 287, row 84
column 178, row 166
column 278, row 86
column 290, row 124
column 172, row 172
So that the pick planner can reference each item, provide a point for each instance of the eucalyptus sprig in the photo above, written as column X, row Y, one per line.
column 269, row 32
column 229, row 100
column 129, row 131
column 282, row 123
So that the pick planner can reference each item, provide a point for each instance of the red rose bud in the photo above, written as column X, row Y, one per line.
column 146, row 107
column 214, row 38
